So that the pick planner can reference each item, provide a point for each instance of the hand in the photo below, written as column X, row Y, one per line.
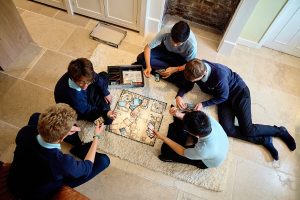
column 112, row 115
column 99, row 128
column 198, row 107
column 73, row 130
column 157, row 135
column 147, row 72
column 108, row 99
column 169, row 71
column 180, row 104
column 173, row 111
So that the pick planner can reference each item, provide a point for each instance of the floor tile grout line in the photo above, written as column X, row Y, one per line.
column 66, row 39
column 56, row 51
column 9, row 124
column 56, row 14
column 266, row 165
column 3, row 72
column 33, row 63
column 51, row 18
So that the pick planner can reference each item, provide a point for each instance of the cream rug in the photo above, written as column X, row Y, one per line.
column 145, row 155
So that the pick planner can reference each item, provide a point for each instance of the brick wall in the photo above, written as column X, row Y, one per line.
column 215, row 14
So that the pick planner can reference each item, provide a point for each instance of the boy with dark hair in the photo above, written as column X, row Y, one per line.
column 39, row 168
column 85, row 91
column 169, row 50
column 232, row 96
column 194, row 138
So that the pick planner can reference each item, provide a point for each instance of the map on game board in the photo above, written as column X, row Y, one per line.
column 136, row 115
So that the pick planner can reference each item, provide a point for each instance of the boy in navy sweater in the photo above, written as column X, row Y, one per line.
column 39, row 168
column 232, row 96
column 85, row 91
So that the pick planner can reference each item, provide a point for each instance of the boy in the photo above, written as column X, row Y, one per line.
column 169, row 51
column 232, row 96
column 194, row 138
column 39, row 168
column 85, row 91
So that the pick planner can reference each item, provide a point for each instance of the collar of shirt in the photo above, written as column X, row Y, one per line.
column 46, row 144
column 208, row 71
column 73, row 85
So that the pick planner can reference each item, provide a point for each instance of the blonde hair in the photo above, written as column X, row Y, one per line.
column 194, row 69
column 56, row 122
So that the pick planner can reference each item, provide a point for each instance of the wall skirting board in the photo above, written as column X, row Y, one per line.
column 249, row 43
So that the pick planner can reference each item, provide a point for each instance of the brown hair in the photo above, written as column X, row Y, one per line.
column 81, row 67
column 56, row 122
column 194, row 69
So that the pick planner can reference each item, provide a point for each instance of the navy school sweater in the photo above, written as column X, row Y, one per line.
column 37, row 172
column 222, row 84
column 81, row 101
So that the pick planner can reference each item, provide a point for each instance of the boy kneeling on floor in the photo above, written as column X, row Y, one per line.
column 194, row 138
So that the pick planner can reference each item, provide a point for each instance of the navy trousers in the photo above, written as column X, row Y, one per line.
column 96, row 98
column 161, row 58
column 239, row 105
column 177, row 134
column 101, row 162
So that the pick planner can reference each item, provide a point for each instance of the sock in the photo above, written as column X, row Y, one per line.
column 270, row 147
column 287, row 138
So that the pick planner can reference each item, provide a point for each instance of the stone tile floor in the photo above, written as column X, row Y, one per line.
column 273, row 78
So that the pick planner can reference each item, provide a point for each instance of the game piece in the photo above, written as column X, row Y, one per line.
column 157, row 77
column 100, row 120
column 160, row 70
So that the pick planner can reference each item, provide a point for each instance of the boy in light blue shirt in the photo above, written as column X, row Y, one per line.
column 169, row 50
column 194, row 138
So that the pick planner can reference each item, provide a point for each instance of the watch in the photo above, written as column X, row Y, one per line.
column 97, row 136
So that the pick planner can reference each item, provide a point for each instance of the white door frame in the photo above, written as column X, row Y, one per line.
column 275, row 24
column 236, row 25
column 152, row 21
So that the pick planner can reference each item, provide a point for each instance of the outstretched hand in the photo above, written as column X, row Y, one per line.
column 198, row 107
column 168, row 72
column 99, row 128
column 157, row 134
column 173, row 111
column 112, row 115
column 180, row 103
column 147, row 72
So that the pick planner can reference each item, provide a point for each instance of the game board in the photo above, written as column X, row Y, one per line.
column 135, row 115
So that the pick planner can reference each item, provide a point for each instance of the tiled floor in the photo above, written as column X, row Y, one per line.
column 273, row 78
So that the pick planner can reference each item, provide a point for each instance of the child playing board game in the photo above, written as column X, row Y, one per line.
column 85, row 91
column 194, row 138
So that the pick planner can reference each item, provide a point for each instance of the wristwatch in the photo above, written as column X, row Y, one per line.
column 97, row 136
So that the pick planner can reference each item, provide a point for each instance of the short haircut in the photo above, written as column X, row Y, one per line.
column 56, row 122
column 194, row 69
column 180, row 32
column 81, row 67
column 198, row 123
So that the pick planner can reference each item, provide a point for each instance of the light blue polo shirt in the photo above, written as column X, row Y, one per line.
column 188, row 49
column 212, row 149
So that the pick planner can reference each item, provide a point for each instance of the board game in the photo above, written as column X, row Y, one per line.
column 136, row 116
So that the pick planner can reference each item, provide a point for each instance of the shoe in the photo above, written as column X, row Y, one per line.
column 135, row 63
column 164, row 159
column 267, row 143
column 286, row 138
